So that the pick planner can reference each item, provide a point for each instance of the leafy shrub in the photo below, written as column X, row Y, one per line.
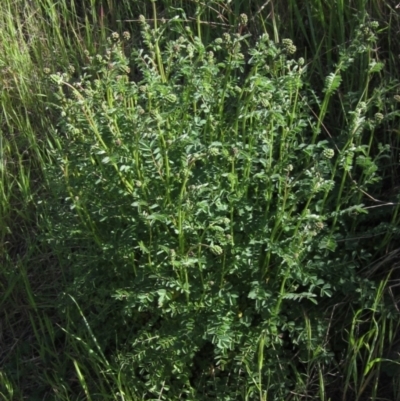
column 202, row 204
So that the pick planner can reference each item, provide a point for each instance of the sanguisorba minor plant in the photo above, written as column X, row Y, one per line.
column 201, row 202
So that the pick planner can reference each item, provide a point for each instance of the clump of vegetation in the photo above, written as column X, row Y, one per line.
column 205, row 201
column 205, row 207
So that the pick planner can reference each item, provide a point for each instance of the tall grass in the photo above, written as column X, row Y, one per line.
column 49, row 348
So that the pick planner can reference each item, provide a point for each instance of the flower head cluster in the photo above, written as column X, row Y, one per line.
column 288, row 45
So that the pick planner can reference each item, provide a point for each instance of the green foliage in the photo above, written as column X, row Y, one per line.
column 48, row 347
column 204, row 211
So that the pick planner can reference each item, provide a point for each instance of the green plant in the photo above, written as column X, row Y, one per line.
column 47, row 348
column 202, row 200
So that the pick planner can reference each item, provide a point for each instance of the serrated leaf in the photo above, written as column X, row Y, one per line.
column 375, row 66
column 332, row 82
column 143, row 247
column 299, row 296
column 158, row 217
column 328, row 243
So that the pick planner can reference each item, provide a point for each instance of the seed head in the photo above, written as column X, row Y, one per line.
column 216, row 250
column 362, row 106
column 213, row 151
column 289, row 46
column 318, row 226
column 287, row 42
column 243, row 19
column 171, row 98
column 291, row 49
column 328, row 153
column 115, row 37
column 226, row 37
column 366, row 30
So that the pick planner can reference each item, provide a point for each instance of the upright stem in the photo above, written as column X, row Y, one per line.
column 157, row 47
